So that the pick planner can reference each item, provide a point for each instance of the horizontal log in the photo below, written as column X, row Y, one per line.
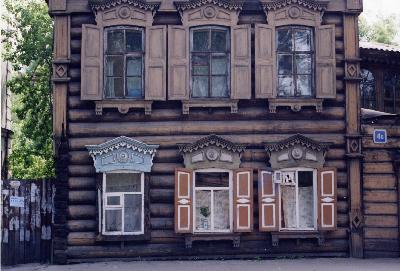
column 381, row 233
column 380, row 254
column 333, row 19
column 162, row 181
column 392, row 143
column 75, row 46
column 381, row 245
column 162, row 195
column 204, row 127
column 82, row 225
column 81, row 238
column 381, row 221
column 378, row 155
column 380, row 208
column 392, row 131
column 388, row 196
column 82, row 211
column 162, row 210
column 76, row 197
column 78, row 19
column 378, row 168
column 81, row 183
column 171, row 142
column 162, row 223
column 379, row 181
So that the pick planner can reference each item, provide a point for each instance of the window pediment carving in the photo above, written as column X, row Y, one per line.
column 122, row 153
column 212, row 152
column 297, row 151
column 192, row 4
column 309, row 4
column 107, row 4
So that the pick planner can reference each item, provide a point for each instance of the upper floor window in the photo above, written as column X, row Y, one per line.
column 210, row 57
column 391, row 95
column 368, row 93
column 295, row 61
column 123, row 62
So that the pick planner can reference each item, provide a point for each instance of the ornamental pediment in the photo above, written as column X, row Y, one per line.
column 297, row 151
column 108, row 4
column 122, row 153
column 211, row 152
column 192, row 4
column 315, row 5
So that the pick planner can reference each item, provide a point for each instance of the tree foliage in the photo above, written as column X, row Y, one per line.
column 383, row 30
column 28, row 47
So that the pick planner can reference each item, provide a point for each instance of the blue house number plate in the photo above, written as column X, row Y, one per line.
column 380, row 136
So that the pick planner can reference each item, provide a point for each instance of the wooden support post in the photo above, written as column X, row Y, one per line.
column 353, row 153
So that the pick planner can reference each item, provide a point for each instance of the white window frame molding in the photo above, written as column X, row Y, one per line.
column 296, row 170
column 105, row 206
column 212, row 189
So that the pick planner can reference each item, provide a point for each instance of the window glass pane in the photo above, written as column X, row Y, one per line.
column 304, row 85
column 123, row 182
column 200, row 70
column 221, row 210
column 201, row 40
column 203, row 210
column 133, row 213
column 302, row 40
column 285, row 86
column 218, row 40
column 285, row 65
column 113, row 200
column 212, row 179
column 284, row 40
column 219, row 86
column 114, row 87
column 303, row 64
column 200, row 86
column 115, row 41
column 115, row 66
column 113, row 220
column 133, row 40
column 134, row 87
column 306, row 199
column 288, row 204
column 200, row 59
column 134, row 66
column 219, row 65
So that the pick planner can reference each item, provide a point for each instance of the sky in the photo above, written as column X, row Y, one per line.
column 372, row 8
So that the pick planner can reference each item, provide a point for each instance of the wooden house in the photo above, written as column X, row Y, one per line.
column 207, row 129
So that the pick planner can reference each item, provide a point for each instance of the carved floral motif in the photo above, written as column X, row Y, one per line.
column 106, row 4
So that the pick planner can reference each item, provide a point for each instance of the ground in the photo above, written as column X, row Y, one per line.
column 264, row 265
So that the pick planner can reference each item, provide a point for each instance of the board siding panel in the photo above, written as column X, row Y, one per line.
column 166, row 126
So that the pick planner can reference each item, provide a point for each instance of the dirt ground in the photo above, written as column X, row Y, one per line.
column 264, row 265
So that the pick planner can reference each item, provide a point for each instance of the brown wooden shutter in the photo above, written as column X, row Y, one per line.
column 183, row 200
column 243, row 200
column 268, row 203
column 92, row 63
column 156, row 70
column 327, row 201
column 325, row 62
column 178, row 63
column 265, row 75
column 241, row 62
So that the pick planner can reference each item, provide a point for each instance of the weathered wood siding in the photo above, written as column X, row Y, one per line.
column 381, row 192
column 166, row 126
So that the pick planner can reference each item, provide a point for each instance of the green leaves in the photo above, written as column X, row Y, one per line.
column 28, row 46
column 384, row 30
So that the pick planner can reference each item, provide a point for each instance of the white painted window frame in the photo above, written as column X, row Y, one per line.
column 105, row 206
column 212, row 189
column 296, row 170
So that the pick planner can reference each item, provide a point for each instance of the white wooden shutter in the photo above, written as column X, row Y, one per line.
column 178, row 63
column 265, row 74
column 92, row 63
column 183, row 200
column 241, row 62
column 325, row 62
column 327, row 199
column 268, row 203
column 155, row 63
column 243, row 200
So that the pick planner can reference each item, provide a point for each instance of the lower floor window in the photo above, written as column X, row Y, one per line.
column 212, row 201
column 123, row 200
column 297, row 199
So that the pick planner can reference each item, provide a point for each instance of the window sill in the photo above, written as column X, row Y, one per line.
column 190, row 238
column 298, row 235
column 122, row 238
column 209, row 103
column 123, row 106
column 295, row 103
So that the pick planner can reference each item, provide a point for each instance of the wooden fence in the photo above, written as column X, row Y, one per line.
column 27, row 216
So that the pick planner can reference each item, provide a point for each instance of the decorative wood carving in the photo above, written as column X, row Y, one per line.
column 107, row 4
column 192, row 4
column 122, row 153
column 187, row 104
column 353, row 146
column 190, row 238
column 211, row 152
column 295, row 104
column 276, row 236
column 352, row 70
column 297, row 151
column 123, row 106
column 309, row 4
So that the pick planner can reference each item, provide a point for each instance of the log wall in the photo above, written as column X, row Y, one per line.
column 381, row 192
column 167, row 126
